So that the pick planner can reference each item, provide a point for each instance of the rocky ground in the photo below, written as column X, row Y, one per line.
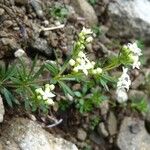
column 36, row 27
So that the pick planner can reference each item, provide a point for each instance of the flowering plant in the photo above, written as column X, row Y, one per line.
column 38, row 93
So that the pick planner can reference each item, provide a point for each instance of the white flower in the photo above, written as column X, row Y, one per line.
column 136, row 62
column 75, row 69
column 94, row 71
column 134, row 53
column 98, row 70
column 86, row 31
column 124, row 81
column 121, row 95
column 50, row 101
column 89, row 39
column 46, row 94
column 134, row 48
column 123, row 85
column 81, row 54
column 19, row 53
column 52, row 87
column 72, row 62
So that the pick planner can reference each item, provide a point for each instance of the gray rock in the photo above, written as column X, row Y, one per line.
column 132, row 135
column 112, row 124
column 10, row 42
column 130, row 18
column 24, row 134
column 81, row 134
column 96, row 138
column 102, row 129
column 21, row 2
column 37, row 8
column 86, row 10
column 41, row 45
column 2, row 110
column 138, row 81
column 137, row 94
column 1, row 11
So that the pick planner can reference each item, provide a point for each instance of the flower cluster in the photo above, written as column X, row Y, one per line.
column 135, row 52
column 85, row 37
column 82, row 63
column 123, row 85
column 46, row 94
column 124, row 81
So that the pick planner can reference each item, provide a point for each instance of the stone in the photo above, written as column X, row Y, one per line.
column 41, row 45
column 96, row 138
column 112, row 123
column 21, row 2
column 10, row 42
column 102, row 129
column 81, row 134
column 83, row 8
column 129, row 19
column 1, row 11
column 104, row 107
column 2, row 110
column 37, row 8
column 137, row 94
column 132, row 135
column 24, row 134
column 139, row 80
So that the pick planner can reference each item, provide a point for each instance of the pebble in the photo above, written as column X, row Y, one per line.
column 81, row 134
column 1, row 11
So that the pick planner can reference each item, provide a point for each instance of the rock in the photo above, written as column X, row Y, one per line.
column 41, row 45
column 1, row 11
column 37, row 8
column 112, row 124
column 2, row 110
column 25, row 134
column 81, row 134
column 96, row 138
column 137, row 94
column 138, row 81
column 86, row 10
column 10, row 42
column 130, row 19
column 21, row 2
column 132, row 135
column 104, row 107
column 102, row 130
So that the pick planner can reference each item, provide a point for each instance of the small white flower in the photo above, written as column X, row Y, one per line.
column 81, row 54
column 19, row 53
column 46, row 94
column 134, row 48
column 98, row 70
column 50, row 102
column 89, row 39
column 39, row 91
column 136, row 62
column 75, row 69
column 124, row 81
column 72, row 62
column 52, row 87
column 122, row 95
column 86, row 31
column 94, row 71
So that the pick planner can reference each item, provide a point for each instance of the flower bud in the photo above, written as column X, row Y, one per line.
column 71, row 62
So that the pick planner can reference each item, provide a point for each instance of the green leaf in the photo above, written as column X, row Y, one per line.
column 78, row 94
column 52, row 68
column 33, row 65
column 7, row 96
column 66, row 88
